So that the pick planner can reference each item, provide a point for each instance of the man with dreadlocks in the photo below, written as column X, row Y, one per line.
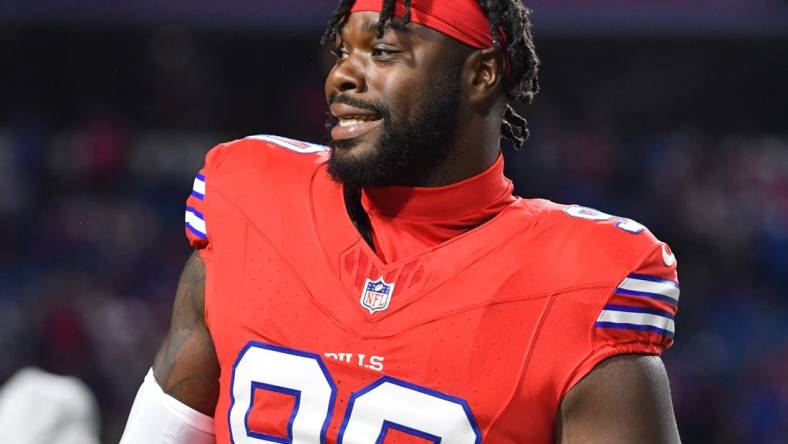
column 390, row 288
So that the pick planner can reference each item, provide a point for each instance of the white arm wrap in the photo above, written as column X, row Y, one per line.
column 158, row 418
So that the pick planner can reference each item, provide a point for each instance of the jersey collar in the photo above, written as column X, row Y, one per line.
column 471, row 201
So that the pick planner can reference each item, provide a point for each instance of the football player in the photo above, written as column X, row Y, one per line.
column 390, row 288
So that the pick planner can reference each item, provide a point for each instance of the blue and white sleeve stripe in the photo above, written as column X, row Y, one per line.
column 650, row 287
column 198, row 189
column 636, row 318
column 642, row 303
column 195, row 222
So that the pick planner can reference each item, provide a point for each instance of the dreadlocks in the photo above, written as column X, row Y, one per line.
column 514, row 20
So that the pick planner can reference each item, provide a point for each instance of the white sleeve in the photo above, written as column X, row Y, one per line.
column 158, row 418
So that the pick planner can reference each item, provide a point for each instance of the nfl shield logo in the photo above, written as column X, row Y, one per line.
column 376, row 295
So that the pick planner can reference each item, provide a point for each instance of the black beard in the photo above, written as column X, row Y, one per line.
column 407, row 152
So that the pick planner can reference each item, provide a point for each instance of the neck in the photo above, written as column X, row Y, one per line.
column 475, row 148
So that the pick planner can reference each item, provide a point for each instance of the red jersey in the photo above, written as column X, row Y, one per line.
column 476, row 339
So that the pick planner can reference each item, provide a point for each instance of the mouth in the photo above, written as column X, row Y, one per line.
column 356, row 120
column 353, row 122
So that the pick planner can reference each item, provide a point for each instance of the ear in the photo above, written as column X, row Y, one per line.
column 484, row 74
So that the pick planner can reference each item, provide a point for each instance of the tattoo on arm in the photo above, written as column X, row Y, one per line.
column 185, row 366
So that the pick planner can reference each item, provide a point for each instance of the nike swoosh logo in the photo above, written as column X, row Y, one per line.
column 668, row 258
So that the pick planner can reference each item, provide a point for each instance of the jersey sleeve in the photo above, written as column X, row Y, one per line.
column 197, row 216
column 196, row 227
column 638, row 316
column 228, row 169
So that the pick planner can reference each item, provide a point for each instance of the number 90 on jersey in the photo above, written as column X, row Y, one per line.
column 372, row 412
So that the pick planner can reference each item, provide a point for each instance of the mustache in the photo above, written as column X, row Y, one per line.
column 375, row 107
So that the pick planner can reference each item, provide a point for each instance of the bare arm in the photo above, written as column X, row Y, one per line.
column 186, row 367
column 625, row 399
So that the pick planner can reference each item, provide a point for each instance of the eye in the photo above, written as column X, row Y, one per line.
column 383, row 52
column 340, row 52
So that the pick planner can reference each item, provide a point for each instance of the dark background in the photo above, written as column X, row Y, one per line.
column 670, row 113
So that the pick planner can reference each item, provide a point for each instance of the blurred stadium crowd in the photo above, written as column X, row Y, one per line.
column 102, row 129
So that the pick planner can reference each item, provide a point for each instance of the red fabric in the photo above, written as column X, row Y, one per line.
column 463, row 20
column 509, row 305
column 408, row 220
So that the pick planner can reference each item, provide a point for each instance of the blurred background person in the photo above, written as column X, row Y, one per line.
column 37, row 407
column 672, row 113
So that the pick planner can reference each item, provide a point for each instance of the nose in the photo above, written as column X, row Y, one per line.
column 346, row 76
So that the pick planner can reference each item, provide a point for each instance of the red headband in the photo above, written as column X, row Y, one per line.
column 462, row 20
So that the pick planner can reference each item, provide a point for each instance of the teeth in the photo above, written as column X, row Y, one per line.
column 348, row 122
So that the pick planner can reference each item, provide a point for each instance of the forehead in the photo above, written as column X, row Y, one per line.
column 365, row 24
